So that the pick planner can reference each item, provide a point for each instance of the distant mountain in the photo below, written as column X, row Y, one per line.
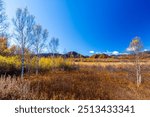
column 146, row 52
column 50, row 55
column 73, row 54
column 70, row 54
column 100, row 56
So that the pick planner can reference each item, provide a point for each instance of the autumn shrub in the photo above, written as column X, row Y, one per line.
column 46, row 64
column 9, row 64
column 12, row 64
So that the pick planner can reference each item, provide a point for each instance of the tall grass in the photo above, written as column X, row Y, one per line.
column 87, row 83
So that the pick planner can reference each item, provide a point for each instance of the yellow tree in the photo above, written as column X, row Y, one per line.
column 3, row 45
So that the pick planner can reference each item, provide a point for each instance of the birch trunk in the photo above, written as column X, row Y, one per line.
column 138, row 71
column 37, row 65
column 22, row 60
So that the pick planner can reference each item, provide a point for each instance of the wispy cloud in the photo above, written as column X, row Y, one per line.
column 115, row 53
column 111, row 52
column 91, row 52
column 145, row 50
column 98, row 52
column 108, row 52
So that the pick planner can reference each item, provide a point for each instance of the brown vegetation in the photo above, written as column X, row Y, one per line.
column 88, row 82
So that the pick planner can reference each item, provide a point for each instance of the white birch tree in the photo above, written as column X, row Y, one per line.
column 3, row 20
column 3, row 28
column 53, row 45
column 23, row 23
column 40, row 37
column 135, row 47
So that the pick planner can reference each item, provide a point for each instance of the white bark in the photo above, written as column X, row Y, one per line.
column 138, row 70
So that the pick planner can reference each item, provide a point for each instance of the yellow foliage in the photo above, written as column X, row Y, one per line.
column 11, row 63
column 135, row 41
column 7, row 62
column 48, row 63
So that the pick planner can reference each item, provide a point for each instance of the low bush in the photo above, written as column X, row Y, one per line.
column 12, row 65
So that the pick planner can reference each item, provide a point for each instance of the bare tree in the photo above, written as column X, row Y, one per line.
column 29, row 41
column 65, row 53
column 3, row 29
column 40, row 37
column 23, row 24
column 135, row 47
column 53, row 45
column 3, row 20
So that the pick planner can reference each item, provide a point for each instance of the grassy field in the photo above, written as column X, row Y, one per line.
column 88, row 80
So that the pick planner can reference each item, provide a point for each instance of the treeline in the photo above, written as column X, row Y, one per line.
column 28, row 35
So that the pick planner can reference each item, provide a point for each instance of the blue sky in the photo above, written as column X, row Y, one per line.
column 90, row 25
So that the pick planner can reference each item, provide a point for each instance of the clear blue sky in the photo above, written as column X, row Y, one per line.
column 85, row 25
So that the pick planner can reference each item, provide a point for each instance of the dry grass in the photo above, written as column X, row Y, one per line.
column 114, row 64
column 88, row 82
